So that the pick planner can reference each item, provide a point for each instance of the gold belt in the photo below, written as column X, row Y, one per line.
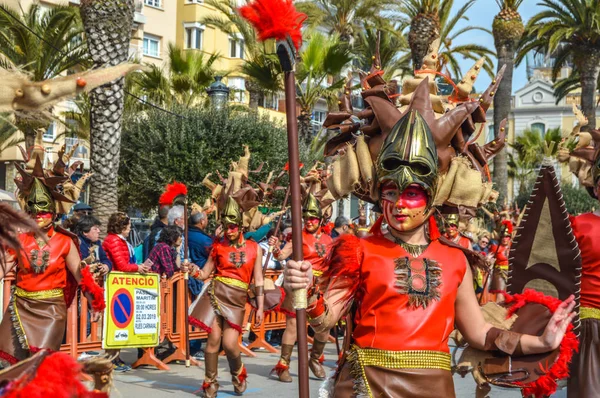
column 414, row 359
column 589, row 313
column 317, row 274
column 232, row 282
column 39, row 295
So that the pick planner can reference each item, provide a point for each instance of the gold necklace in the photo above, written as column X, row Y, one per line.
column 413, row 250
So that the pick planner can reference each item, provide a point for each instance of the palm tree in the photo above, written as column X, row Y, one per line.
column 568, row 85
column 8, row 136
column 569, row 30
column 346, row 18
column 392, row 45
column 260, row 63
column 322, row 58
column 424, row 27
column 448, row 35
column 60, row 49
column 108, row 26
column 77, row 120
column 507, row 29
column 182, row 81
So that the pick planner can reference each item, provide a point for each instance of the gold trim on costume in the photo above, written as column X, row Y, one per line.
column 39, row 295
column 359, row 358
column 317, row 274
column 589, row 313
column 232, row 282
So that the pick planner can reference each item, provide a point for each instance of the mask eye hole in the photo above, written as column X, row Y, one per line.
column 392, row 164
column 420, row 169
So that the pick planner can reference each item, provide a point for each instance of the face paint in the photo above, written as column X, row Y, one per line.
column 406, row 210
column 505, row 240
column 312, row 224
column 452, row 231
column 232, row 232
column 44, row 219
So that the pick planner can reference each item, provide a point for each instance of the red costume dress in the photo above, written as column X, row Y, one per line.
column 585, row 380
column 227, row 293
column 37, row 313
column 500, row 275
column 315, row 248
column 396, row 295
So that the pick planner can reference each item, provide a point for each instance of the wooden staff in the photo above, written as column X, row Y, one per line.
column 287, row 57
column 186, row 288
column 277, row 227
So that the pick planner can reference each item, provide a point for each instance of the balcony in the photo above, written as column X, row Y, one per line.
column 139, row 18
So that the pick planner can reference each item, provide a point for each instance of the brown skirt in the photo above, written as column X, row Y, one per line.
column 394, row 383
column 584, row 381
column 30, row 324
column 219, row 299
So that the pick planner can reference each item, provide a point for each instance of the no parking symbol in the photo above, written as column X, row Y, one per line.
column 121, row 308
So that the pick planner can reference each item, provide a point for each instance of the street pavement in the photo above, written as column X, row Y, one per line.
column 180, row 381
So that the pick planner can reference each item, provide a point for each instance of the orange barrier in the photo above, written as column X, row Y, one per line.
column 172, row 324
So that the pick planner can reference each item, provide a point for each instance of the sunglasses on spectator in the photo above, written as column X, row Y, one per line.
column 484, row 242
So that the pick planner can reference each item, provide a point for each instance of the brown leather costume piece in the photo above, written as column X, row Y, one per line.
column 223, row 300
column 584, row 381
column 397, row 383
column 43, row 321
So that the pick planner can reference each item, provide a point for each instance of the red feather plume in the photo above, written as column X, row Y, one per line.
column 171, row 192
column 275, row 19
column 508, row 225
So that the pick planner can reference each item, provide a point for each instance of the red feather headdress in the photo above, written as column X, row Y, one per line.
column 275, row 19
column 171, row 192
column 508, row 227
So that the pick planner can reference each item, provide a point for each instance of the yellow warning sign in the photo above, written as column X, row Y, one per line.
column 132, row 317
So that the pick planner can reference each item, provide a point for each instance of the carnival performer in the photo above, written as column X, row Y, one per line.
column 406, row 288
column 499, row 255
column 315, row 246
column 48, row 268
column 584, row 381
column 451, row 221
column 220, row 309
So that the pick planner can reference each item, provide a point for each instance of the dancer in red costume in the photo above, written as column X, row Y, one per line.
column 451, row 220
column 405, row 289
column 220, row 309
column 48, row 271
column 315, row 246
column 499, row 255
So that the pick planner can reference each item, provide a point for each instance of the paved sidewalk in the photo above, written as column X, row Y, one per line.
column 186, row 382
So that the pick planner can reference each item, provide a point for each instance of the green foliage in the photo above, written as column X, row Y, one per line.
column 391, row 47
column 159, row 148
column 8, row 138
column 578, row 200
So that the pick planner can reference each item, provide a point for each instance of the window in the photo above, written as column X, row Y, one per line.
column 195, row 1
column 541, row 127
column 151, row 46
column 81, row 152
column 238, row 89
column 152, row 3
column 193, row 38
column 319, row 116
column 491, row 134
column 269, row 101
column 50, row 133
column 236, row 47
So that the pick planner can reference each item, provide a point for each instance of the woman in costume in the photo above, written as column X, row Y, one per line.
column 48, row 269
column 408, row 281
column 499, row 255
column 220, row 310
column 315, row 245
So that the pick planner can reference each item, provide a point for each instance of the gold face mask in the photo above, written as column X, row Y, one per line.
column 40, row 200
column 311, row 207
column 231, row 214
column 409, row 156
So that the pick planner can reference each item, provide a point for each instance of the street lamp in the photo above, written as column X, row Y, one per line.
column 218, row 92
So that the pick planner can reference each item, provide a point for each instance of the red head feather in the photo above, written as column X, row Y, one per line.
column 171, row 192
column 275, row 19
column 508, row 227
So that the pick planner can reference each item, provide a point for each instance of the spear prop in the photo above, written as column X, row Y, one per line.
column 279, row 20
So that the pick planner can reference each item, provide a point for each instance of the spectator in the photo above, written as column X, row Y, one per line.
column 159, row 223
column 340, row 227
column 164, row 255
column 90, row 246
column 121, row 254
column 199, row 241
column 79, row 210
column 483, row 245
column 119, row 250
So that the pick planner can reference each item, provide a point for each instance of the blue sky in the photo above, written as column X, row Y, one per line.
column 482, row 14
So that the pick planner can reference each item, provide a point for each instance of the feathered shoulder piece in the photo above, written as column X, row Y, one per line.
column 172, row 191
column 344, row 261
column 275, row 19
